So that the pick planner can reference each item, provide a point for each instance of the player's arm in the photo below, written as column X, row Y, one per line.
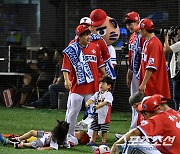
column 100, row 62
column 128, row 77
column 66, row 67
column 125, row 138
column 45, row 148
column 67, row 82
column 103, row 71
column 129, row 73
column 101, row 105
column 147, row 76
column 104, row 50
column 90, row 101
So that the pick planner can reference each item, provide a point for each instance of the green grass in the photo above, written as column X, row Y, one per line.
column 21, row 120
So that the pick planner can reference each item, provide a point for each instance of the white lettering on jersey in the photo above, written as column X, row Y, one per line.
column 144, row 57
column 171, row 118
column 91, row 58
column 178, row 124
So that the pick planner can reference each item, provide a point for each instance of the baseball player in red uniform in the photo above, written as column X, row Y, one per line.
column 158, row 123
column 83, row 60
column 153, row 71
column 100, row 42
column 165, row 107
column 132, row 19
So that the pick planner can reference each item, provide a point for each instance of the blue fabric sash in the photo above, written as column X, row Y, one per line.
column 79, row 62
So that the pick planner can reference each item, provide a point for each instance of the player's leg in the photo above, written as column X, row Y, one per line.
column 89, row 117
column 73, row 111
column 134, row 88
column 24, row 137
column 28, row 135
column 22, row 144
column 68, row 106
column 95, row 133
column 95, row 127
column 104, row 137
column 104, row 129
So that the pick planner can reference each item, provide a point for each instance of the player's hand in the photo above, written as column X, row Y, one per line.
column 67, row 84
column 142, row 87
column 129, row 78
column 86, row 105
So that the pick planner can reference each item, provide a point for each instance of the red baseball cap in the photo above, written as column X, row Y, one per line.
column 149, row 104
column 85, row 139
column 81, row 29
column 160, row 98
column 145, row 24
column 132, row 16
column 98, row 17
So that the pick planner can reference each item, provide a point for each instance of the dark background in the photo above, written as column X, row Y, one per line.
column 51, row 23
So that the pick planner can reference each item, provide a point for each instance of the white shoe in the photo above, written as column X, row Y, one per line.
column 118, row 136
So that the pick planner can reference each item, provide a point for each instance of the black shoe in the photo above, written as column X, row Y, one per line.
column 13, row 140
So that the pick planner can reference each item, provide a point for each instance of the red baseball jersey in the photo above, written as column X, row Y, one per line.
column 167, row 128
column 140, row 119
column 102, row 46
column 153, row 57
column 174, row 113
column 94, row 59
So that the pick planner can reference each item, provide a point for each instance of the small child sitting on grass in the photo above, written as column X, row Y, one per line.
column 102, row 101
column 45, row 140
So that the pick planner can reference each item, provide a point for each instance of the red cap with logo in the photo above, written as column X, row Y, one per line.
column 160, row 98
column 81, row 29
column 149, row 104
column 98, row 17
column 132, row 16
column 145, row 24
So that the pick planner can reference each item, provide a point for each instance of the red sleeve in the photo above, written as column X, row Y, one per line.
column 100, row 61
column 154, row 58
column 66, row 65
column 103, row 48
column 152, row 126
